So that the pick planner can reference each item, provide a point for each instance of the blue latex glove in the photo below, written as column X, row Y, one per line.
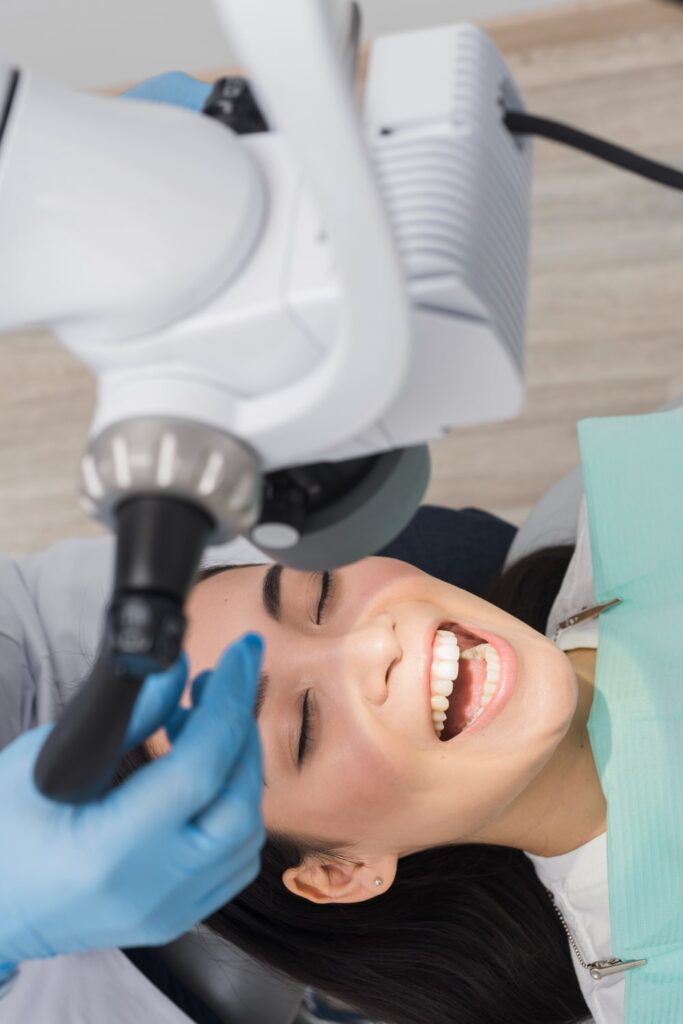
column 173, row 87
column 153, row 857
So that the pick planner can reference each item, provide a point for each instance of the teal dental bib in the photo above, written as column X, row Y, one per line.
column 633, row 478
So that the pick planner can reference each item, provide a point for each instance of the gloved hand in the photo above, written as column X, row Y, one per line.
column 153, row 857
column 173, row 87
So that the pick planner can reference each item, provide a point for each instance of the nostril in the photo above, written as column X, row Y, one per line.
column 388, row 672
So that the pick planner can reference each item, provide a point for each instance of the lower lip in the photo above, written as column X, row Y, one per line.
column 504, row 690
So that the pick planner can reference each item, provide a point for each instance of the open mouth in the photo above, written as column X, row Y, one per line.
column 464, row 677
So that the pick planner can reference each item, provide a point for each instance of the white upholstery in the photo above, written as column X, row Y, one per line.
column 553, row 520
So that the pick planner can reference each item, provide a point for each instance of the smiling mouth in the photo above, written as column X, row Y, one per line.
column 473, row 665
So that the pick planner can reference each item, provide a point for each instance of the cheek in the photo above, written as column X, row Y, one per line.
column 341, row 794
column 356, row 789
column 364, row 771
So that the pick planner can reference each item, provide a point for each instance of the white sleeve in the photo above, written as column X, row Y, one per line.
column 104, row 987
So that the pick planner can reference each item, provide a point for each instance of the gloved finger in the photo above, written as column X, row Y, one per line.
column 198, row 687
column 157, row 700
column 19, row 756
column 180, row 716
column 204, row 754
column 222, row 870
column 176, row 723
column 221, row 889
column 243, row 791
column 216, row 887
column 173, row 87
column 225, row 893
column 236, row 811
column 238, row 668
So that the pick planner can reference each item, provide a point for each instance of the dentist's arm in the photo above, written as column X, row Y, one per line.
column 163, row 851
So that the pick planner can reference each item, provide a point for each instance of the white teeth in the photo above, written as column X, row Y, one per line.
column 444, row 671
column 446, row 653
column 475, row 653
column 485, row 652
column 492, row 669
column 441, row 687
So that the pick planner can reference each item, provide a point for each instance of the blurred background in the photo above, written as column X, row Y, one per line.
column 604, row 324
column 91, row 43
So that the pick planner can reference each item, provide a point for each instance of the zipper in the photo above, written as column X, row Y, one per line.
column 598, row 968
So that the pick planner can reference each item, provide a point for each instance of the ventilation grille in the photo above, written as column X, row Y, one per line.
column 457, row 188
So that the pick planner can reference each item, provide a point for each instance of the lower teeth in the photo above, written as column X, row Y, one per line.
column 466, row 726
column 473, row 719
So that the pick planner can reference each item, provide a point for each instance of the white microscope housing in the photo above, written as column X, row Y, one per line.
column 347, row 283
column 278, row 320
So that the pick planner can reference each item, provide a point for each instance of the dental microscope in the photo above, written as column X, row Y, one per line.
column 281, row 308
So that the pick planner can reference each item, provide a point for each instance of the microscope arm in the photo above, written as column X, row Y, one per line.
column 303, row 92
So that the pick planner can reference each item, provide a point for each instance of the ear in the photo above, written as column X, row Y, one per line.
column 341, row 881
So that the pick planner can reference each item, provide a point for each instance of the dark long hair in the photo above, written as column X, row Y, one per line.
column 466, row 934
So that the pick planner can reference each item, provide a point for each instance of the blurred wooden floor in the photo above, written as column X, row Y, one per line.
column 606, row 295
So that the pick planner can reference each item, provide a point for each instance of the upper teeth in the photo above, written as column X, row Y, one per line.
column 445, row 671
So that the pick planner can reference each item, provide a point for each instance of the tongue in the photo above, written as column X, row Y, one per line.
column 467, row 693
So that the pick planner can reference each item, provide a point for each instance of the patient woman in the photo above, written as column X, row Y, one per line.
column 397, row 811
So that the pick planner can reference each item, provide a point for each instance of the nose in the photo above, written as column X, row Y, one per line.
column 369, row 652
column 356, row 663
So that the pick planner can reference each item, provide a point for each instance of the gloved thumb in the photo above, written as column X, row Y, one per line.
column 157, row 701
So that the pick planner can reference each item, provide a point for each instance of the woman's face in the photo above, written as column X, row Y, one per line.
column 375, row 773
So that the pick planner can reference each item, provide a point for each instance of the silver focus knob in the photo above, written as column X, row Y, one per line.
column 178, row 458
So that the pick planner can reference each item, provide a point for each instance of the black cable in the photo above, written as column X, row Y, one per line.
column 9, row 100
column 527, row 124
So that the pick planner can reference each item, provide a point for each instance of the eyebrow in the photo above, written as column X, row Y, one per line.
column 270, row 592
column 270, row 596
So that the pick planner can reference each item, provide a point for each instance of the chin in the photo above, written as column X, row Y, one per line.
column 560, row 691
column 547, row 694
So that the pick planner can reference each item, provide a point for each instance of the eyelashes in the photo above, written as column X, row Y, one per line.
column 327, row 593
column 307, row 732
column 328, row 589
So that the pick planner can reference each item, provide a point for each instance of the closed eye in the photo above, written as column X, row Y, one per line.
column 306, row 737
column 327, row 590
